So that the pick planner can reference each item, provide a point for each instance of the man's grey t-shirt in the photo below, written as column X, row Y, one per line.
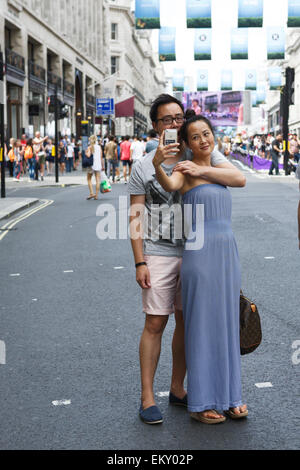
column 160, row 237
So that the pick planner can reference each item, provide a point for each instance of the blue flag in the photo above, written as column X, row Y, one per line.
column 275, row 78
column 294, row 14
column 226, row 80
column 250, row 13
column 202, row 80
column 198, row 13
column 167, row 48
column 202, row 44
column 178, row 80
column 250, row 79
column 276, row 42
column 239, row 43
column 147, row 14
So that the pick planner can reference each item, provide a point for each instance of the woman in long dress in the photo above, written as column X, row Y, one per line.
column 98, row 164
column 211, row 282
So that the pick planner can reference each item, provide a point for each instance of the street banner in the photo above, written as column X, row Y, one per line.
column 167, row 48
column 108, row 87
column 198, row 13
column 261, row 93
column 223, row 109
column 202, row 80
column 254, row 99
column 250, row 14
column 147, row 14
column 294, row 14
column 250, row 79
column 178, row 79
column 239, row 44
column 275, row 78
column 275, row 42
column 202, row 44
column 226, row 79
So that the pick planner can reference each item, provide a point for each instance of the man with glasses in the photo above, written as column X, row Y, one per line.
column 158, row 253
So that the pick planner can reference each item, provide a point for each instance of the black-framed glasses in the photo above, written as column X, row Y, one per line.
column 168, row 120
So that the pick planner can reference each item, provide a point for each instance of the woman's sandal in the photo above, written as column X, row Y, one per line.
column 199, row 417
column 231, row 414
column 91, row 197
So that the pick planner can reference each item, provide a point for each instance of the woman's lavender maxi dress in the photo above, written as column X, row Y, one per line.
column 211, row 282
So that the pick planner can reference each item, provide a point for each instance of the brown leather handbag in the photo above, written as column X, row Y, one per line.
column 250, row 326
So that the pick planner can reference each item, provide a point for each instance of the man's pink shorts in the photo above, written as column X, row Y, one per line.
column 164, row 296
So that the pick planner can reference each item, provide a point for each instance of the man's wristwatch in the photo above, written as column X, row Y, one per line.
column 141, row 264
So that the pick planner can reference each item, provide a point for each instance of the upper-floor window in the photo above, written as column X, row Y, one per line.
column 113, row 65
column 114, row 31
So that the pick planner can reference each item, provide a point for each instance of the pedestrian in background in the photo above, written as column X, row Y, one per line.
column 39, row 152
column 125, row 157
column 298, row 177
column 62, row 154
column 111, row 155
column 275, row 153
column 94, row 150
column 70, row 157
column 152, row 142
column 30, row 159
column 136, row 149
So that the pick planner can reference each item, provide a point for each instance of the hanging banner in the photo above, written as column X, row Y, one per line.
column 198, row 13
column 250, row 79
column 239, row 44
column 250, row 14
column 202, row 44
column 294, row 14
column 202, row 80
column 167, row 51
column 147, row 14
column 178, row 80
column 275, row 78
column 275, row 43
column 261, row 93
column 226, row 80
column 254, row 99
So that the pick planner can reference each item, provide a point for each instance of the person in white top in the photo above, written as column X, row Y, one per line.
column 136, row 150
column 95, row 150
column 70, row 157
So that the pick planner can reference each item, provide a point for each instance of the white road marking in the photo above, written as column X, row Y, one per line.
column 119, row 267
column 10, row 225
column 269, row 257
column 61, row 402
column 264, row 385
column 69, row 271
column 2, row 353
column 15, row 275
column 34, row 300
column 162, row 394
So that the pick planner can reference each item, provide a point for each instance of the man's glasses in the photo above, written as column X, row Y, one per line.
column 168, row 120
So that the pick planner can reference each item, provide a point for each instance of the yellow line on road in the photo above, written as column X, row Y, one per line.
column 7, row 227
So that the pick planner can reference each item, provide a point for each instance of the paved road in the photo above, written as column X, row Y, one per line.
column 70, row 323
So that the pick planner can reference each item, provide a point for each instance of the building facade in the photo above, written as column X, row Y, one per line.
column 48, row 47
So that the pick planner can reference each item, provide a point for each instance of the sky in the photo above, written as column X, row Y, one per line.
column 224, row 17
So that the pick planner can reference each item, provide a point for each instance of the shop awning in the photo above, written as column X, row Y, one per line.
column 125, row 108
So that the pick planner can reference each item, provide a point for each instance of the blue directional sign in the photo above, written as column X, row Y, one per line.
column 105, row 106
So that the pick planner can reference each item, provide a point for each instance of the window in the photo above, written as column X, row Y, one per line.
column 114, row 31
column 113, row 65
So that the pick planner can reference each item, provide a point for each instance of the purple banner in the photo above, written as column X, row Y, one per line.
column 255, row 162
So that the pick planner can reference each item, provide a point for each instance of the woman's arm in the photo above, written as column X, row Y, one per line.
column 176, row 180
column 225, row 174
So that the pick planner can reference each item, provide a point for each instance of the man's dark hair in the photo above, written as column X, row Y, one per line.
column 161, row 100
column 184, row 129
column 152, row 134
column 110, row 138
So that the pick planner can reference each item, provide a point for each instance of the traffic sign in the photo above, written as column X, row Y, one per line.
column 105, row 106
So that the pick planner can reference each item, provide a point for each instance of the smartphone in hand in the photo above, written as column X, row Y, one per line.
column 171, row 137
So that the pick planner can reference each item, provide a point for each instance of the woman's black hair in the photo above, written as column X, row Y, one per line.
column 184, row 128
column 189, row 114
column 159, row 101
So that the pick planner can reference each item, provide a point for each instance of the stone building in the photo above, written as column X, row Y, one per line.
column 71, row 46
column 47, row 46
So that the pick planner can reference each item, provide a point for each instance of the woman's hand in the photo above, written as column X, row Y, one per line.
column 164, row 151
column 190, row 168
column 143, row 277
